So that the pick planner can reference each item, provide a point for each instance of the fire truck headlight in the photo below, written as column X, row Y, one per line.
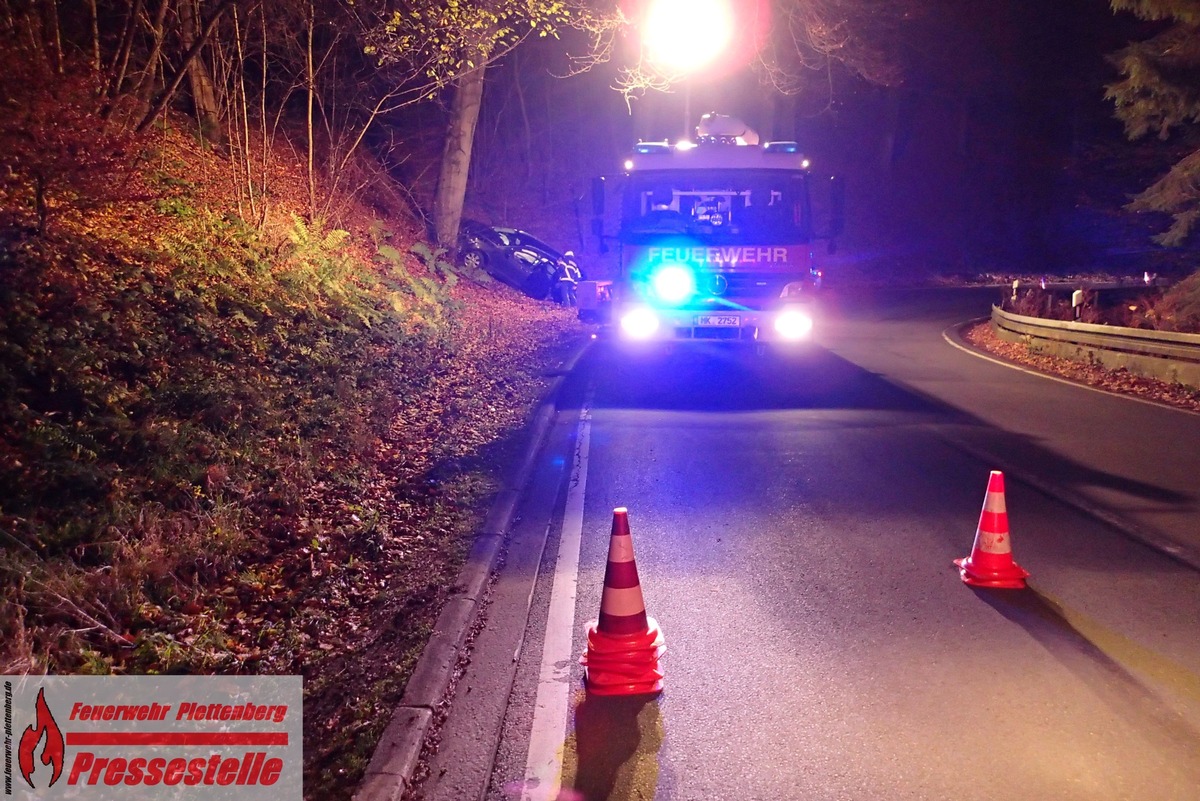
column 639, row 323
column 793, row 324
column 673, row 283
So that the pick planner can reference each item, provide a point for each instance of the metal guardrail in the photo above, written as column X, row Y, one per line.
column 1153, row 354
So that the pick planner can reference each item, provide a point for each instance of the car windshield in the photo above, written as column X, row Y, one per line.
column 529, row 256
column 502, row 236
column 761, row 206
column 527, row 240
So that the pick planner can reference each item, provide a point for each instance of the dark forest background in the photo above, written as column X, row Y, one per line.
column 973, row 136
column 997, row 152
column 252, row 409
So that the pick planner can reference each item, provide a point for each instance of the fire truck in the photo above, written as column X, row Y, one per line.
column 715, row 241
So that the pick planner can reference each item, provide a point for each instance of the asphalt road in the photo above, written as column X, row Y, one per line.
column 794, row 525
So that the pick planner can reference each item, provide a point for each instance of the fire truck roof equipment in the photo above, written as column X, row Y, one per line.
column 710, row 156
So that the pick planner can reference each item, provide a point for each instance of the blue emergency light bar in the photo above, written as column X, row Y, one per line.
column 648, row 148
column 707, row 155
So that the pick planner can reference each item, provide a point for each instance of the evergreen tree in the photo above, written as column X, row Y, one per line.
column 1159, row 92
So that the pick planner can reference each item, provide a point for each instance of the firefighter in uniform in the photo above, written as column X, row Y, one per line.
column 567, row 277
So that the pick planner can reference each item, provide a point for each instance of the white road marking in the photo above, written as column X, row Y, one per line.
column 1070, row 382
column 543, row 768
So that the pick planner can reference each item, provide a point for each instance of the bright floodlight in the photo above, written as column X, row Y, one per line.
column 641, row 323
column 793, row 324
column 684, row 35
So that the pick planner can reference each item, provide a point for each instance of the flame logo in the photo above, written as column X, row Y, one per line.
column 52, row 751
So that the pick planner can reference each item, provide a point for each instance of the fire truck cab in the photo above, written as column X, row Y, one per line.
column 715, row 241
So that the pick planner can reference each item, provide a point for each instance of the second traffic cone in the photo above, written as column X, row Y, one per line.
column 623, row 645
column 991, row 562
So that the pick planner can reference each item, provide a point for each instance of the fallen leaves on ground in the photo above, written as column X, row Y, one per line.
column 1121, row 381
column 223, row 452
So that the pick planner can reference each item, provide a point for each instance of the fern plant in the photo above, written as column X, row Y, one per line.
column 311, row 244
column 426, row 302
column 321, row 271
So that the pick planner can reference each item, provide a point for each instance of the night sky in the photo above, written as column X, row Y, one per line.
column 997, row 146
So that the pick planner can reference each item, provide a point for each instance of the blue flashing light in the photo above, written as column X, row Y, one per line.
column 782, row 147
column 651, row 148
column 673, row 283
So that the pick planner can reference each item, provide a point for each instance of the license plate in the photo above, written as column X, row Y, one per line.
column 718, row 319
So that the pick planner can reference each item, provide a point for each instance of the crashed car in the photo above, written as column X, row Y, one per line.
column 518, row 258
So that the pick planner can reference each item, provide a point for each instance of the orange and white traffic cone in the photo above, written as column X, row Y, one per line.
column 623, row 645
column 991, row 563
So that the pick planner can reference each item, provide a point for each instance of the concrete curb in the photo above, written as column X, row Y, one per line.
column 390, row 773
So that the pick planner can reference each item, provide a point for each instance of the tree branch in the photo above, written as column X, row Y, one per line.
column 165, row 96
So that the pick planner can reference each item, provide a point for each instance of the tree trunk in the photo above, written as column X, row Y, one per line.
column 172, row 85
column 121, row 62
column 262, row 178
column 204, row 92
column 241, row 111
column 96, row 64
column 55, row 34
column 145, row 87
column 456, row 158
column 310, row 81
column 526, row 128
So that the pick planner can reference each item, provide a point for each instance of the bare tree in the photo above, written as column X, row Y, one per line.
column 145, row 87
column 442, row 48
column 199, row 40
column 204, row 93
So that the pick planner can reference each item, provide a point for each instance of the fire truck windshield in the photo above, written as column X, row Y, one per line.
column 764, row 207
